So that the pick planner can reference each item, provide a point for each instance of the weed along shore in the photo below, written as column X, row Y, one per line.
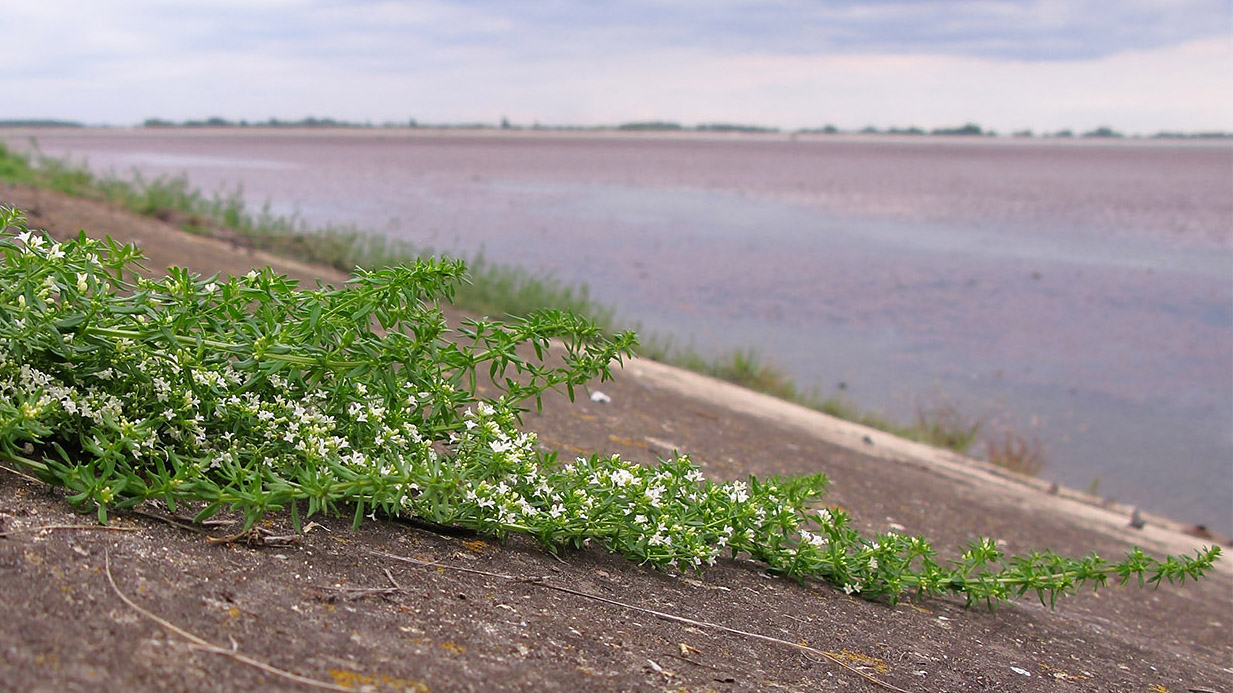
column 282, row 514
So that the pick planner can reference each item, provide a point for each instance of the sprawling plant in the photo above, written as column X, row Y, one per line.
column 251, row 394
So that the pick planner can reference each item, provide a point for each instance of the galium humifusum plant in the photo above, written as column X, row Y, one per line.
column 252, row 394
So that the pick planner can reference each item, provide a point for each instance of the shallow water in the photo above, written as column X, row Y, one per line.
column 1079, row 291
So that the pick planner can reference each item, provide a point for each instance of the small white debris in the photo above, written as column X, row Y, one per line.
column 600, row 397
column 1021, row 672
column 661, row 444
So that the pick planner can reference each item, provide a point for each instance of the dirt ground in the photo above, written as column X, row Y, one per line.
column 151, row 603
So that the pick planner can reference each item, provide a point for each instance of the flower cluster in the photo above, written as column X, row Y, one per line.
column 246, row 392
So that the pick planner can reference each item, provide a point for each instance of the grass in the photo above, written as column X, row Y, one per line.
column 493, row 288
column 1016, row 453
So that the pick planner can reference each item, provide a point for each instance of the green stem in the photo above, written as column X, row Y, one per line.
column 187, row 340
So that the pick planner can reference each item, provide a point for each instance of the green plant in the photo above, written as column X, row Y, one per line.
column 1016, row 453
column 943, row 425
column 248, row 393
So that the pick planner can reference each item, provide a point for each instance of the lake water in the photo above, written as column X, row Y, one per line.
column 1078, row 291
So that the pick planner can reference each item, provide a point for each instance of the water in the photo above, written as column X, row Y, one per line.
column 1078, row 291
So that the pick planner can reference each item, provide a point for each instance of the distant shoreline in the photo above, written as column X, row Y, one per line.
column 616, row 135
column 969, row 130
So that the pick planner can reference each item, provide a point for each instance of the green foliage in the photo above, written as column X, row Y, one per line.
column 971, row 129
column 15, row 168
column 220, row 122
column 651, row 126
column 1103, row 132
column 40, row 123
column 249, row 393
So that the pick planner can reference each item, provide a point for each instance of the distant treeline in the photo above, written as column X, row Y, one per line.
column 40, row 123
column 217, row 122
column 974, row 130
column 968, row 130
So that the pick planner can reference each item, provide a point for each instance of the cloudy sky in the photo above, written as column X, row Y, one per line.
column 1137, row 65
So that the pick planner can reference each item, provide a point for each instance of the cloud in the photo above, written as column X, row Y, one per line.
column 1005, row 63
column 1045, row 30
column 1030, row 30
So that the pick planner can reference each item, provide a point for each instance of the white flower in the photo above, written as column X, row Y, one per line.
column 622, row 477
column 210, row 288
column 653, row 493
column 849, row 589
column 816, row 540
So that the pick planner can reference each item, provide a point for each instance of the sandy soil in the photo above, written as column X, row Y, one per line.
column 149, row 603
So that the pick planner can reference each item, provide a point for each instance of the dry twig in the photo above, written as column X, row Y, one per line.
column 48, row 528
column 23, row 475
column 173, row 521
column 200, row 643
column 256, row 536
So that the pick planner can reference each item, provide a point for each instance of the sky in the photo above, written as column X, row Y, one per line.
column 1139, row 66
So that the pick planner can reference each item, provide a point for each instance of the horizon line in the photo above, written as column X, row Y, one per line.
column 969, row 129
